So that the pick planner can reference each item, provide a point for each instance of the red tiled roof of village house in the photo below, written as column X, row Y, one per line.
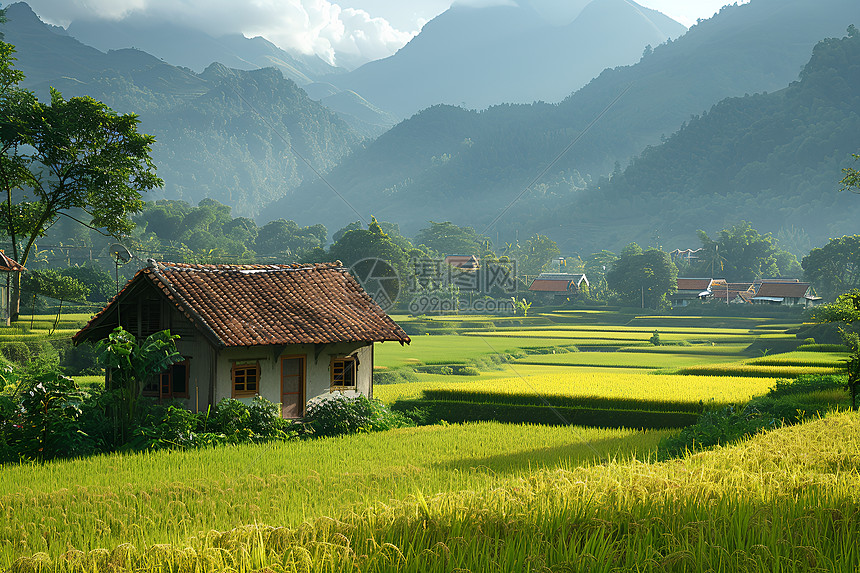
column 465, row 262
column 252, row 305
column 693, row 284
column 9, row 265
column 539, row 285
column 784, row 290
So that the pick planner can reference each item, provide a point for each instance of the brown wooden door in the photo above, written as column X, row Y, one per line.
column 292, row 386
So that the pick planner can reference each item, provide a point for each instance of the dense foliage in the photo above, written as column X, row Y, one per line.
column 772, row 159
column 643, row 278
column 835, row 267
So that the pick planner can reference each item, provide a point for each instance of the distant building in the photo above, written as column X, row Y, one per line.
column 687, row 255
column 558, row 286
column 8, row 267
column 784, row 292
column 464, row 262
column 690, row 289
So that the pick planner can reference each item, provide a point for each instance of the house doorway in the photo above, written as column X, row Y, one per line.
column 292, row 386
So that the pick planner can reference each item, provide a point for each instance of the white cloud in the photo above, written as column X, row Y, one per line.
column 307, row 26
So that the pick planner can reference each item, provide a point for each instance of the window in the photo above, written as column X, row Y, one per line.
column 246, row 379
column 172, row 383
column 343, row 373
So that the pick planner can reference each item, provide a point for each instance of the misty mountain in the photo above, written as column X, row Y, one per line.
column 480, row 56
column 184, row 46
column 774, row 160
column 447, row 163
column 231, row 135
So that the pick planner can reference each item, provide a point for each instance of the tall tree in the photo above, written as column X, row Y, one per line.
column 643, row 278
column 743, row 254
column 535, row 254
column 835, row 267
column 851, row 181
column 69, row 156
column 449, row 239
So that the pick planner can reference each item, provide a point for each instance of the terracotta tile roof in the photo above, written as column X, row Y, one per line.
column 253, row 305
column 9, row 265
column 465, row 262
column 545, row 285
column 784, row 290
column 693, row 284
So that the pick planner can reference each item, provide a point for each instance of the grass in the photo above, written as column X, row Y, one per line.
column 625, row 359
column 619, row 388
column 165, row 497
column 785, row 500
column 446, row 349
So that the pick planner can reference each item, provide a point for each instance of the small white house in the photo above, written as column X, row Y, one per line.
column 289, row 333
column 9, row 268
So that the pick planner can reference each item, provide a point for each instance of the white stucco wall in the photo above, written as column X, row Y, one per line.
column 317, row 374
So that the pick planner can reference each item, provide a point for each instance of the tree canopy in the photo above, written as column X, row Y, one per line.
column 741, row 253
column 643, row 278
column 72, row 157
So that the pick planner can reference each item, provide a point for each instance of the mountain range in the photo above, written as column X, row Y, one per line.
column 506, row 169
column 187, row 47
column 772, row 159
column 240, row 137
column 477, row 56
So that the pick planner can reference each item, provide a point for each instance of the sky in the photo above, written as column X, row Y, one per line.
column 355, row 30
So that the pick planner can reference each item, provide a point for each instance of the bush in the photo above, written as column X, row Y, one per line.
column 80, row 360
column 717, row 427
column 339, row 415
column 807, row 383
column 259, row 421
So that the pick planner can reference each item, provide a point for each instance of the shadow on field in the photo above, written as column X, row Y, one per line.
column 578, row 453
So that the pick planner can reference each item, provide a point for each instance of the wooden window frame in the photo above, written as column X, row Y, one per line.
column 157, row 383
column 244, row 366
column 333, row 368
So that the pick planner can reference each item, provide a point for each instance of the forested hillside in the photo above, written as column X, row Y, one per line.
column 223, row 134
column 466, row 166
column 772, row 159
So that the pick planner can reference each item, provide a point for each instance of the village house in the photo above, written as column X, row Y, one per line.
column 9, row 268
column 557, row 287
column 783, row 292
column 288, row 333
column 690, row 289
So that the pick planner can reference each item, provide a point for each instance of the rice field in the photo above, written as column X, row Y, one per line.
column 622, row 359
column 786, row 500
column 626, row 389
column 167, row 497
column 582, row 336
column 481, row 496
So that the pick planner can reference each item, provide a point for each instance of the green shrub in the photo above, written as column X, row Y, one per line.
column 80, row 360
column 823, row 348
column 16, row 352
column 807, row 383
column 259, row 421
column 339, row 415
column 717, row 427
